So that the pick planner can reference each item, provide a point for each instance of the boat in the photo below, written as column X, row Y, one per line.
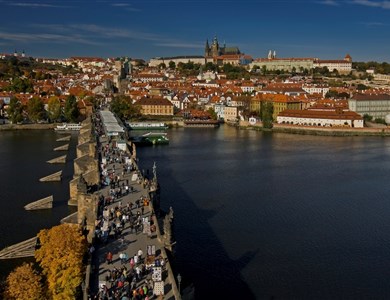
column 151, row 138
column 147, row 125
column 68, row 127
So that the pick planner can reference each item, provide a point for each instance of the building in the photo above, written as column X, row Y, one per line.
column 280, row 103
column 375, row 105
column 230, row 113
column 272, row 63
column 216, row 50
column 322, row 89
column 342, row 66
column 149, row 77
column 155, row 106
column 322, row 118
column 196, row 59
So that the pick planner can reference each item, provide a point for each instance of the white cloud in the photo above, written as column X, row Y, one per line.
column 329, row 2
column 92, row 34
column 44, row 37
column 125, row 6
column 37, row 5
column 380, row 4
column 374, row 24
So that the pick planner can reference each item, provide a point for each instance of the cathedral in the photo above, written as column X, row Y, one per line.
column 215, row 50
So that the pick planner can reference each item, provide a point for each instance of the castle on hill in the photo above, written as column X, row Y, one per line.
column 215, row 50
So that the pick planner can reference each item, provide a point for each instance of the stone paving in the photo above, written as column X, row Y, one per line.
column 128, row 239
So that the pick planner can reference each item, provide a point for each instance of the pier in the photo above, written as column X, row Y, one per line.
column 44, row 203
column 62, row 148
column 58, row 160
column 53, row 177
column 19, row 250
column 64, row 139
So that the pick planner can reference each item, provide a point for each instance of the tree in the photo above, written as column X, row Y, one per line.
column 61, row 259
column 361, row 86
column 172, row 65
column 20, row 85
column 71, row 110
column 54, row 108
column 293, row 70
column 124, row 109
column 36, row 109
column 15, row 110
column 367, row 118
column 263, row 69
column 162, row 66
column 24, row 283
column 267, row 110
column 212, row 113
column 331, row 94
column 209, row 66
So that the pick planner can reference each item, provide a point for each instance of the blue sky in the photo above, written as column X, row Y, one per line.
column 327, row 29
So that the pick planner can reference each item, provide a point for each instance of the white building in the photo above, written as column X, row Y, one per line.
column 316, row 89
column 375, row 105
column 342, row 66
column 321, row 118
column 155, row 62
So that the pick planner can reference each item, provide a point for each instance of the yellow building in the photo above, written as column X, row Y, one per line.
column 280, row 102
column 155, row 106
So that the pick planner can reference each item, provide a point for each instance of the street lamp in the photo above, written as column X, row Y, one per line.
column 179, row 280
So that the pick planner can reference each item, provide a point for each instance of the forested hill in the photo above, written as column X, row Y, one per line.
column 15, row 67
column 380, row 68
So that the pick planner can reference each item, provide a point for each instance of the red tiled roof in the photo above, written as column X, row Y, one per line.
column 321, row 114
column 154, row 101
column 365, row 97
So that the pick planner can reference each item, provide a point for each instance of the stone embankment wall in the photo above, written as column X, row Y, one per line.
column 322, row 131
column 27, row 126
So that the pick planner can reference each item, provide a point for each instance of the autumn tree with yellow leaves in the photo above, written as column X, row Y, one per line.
column 24, row 283
column 61, row 259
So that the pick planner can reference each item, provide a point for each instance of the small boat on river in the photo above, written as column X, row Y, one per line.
column 147, row 125
column 151, row 138
column 68, row 127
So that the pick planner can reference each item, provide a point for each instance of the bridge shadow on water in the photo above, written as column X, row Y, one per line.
column 199, row 257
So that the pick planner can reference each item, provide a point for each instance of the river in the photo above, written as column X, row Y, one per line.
column 261, row 216
column 257, row 215
column 23, row 156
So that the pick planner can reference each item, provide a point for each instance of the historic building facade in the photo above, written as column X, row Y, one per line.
column 375, row 105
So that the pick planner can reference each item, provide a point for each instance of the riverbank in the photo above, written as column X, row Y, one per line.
column 27, row 126
column 322, row 131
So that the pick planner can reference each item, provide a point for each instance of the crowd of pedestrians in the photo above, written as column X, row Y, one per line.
column 124, row 216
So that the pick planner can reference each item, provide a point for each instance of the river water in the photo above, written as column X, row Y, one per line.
column 23, row 156
column 257, row 215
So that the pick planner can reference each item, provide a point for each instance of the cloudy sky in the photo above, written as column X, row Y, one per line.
column 327, row 29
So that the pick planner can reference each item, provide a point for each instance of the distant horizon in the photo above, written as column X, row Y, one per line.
column 325, row 29
column 173, row 56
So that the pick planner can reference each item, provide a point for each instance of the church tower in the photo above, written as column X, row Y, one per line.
column 215, row 47
column 207, row 49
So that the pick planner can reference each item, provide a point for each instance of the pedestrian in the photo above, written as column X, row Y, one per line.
column 132, row 263
column 140, row 253
column 109, row 257
column 122, row 257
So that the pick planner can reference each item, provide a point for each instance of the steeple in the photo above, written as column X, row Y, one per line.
column 207, row 49
column 215, row 47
